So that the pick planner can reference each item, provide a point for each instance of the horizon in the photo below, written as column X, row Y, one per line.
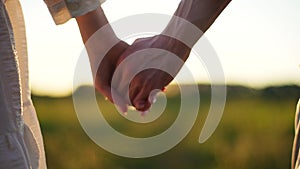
column 36, row 94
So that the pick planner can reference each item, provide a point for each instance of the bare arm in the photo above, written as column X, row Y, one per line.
column 92, row 25
column 191, row 19
column 201, row 14
column 91, row 22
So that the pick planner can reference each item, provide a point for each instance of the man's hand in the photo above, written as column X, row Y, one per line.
column 146, row 81
column 201, row 13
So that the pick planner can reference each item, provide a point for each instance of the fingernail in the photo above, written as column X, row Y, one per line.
column 153, row 100
column 140, row 105
column 144, row 113
column 153, row 96
column 122, row 109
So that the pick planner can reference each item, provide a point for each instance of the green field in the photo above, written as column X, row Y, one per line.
column 256, row 132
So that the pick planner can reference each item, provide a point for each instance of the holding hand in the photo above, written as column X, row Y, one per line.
column 144, row 54
column 150, row 55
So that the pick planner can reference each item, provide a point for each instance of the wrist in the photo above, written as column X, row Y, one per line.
column 174, row 45
column 192, row 18
column 93, row 21
column 183, row 30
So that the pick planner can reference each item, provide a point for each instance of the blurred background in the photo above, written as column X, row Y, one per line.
column 257, row 44
column 256, row 131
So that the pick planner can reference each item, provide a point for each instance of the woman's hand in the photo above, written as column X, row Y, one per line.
column 97, row 36
column 105, row 72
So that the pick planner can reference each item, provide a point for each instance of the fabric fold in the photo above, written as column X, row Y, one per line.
column 63, row 10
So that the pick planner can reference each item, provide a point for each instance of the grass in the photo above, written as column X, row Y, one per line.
column 256, row 131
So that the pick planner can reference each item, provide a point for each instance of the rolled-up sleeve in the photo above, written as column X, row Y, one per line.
column 63, row 10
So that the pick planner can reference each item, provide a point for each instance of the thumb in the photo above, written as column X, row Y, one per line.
column 144, row 100
column 142, row 104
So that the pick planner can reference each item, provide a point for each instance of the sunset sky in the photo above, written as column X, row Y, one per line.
column 256, row 41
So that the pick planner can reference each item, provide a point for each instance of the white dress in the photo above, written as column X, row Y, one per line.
column 296, row 146
column 21, row 142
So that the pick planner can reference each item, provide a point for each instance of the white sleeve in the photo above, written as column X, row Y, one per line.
column 63, row 10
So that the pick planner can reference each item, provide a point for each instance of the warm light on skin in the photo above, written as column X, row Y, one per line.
column 256, row 42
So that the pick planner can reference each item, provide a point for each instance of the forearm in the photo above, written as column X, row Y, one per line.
column 97, row 35
column 91, row 22
column 200, row 13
